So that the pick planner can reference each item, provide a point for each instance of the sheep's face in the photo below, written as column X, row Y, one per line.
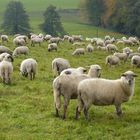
column 25, row 74
column 129, row 77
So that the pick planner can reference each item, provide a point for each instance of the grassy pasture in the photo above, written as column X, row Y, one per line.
column 27, row 110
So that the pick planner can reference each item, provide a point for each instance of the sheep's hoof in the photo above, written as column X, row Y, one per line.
column 119, row 114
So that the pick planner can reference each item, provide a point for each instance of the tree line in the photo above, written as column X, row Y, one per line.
column 16, row 20
column 120, row 15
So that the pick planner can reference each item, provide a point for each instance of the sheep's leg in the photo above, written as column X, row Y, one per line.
column 66, row 102
column 118, row 110
column 86, row 112
column 30, row 76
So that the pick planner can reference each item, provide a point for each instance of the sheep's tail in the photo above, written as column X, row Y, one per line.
column 57, row 93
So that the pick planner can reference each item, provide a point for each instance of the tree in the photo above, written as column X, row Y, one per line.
column 15, row 19
column 93, row 10
column 52, row 23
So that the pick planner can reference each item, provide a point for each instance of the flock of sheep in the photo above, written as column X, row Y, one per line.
column 73, row 83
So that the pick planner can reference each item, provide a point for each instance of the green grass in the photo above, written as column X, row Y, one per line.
column 27, row 109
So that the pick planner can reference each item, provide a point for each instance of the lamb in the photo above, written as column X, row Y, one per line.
column 89, row 48
column 79, row 70
column 135, row 61
column 79, row 51
column 105, row 92
column 4, row 38
column 6, row 69
column 4, row 49
column 28, row 68
column 52, row 46
column 21, row 50
column 59, row 64
column 122, row 56
column 66, row 86
column 112, row 60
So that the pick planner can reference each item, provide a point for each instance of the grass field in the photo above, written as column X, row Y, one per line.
column 27, row 109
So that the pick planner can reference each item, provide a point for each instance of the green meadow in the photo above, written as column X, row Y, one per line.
column 26, row 107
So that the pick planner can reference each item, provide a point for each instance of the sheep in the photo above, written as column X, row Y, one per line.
column 55, row 40
column 107, row 37
column 2, row 55
column 78, row 44
column 111, row 48
column 105, row 92
column 135, row 60
column 59, row 64
column 138, row 49
column 79, row 51
column 4, row 49
column 71, row 39
column 4, row 38
column 21, row 50
column 122, row 56
column 52, row 46
column 127, row 50
column 18, row 41
column 133, row 54
column 6, row 69
column 77, row 37
column 101, row 48
column 47, row 37
column 89, row 48
column 36, row 40
column 112, row 60
column 79, row 70
column 28, row 68
column 66, row 86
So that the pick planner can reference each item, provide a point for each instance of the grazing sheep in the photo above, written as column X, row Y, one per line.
column 79, row 70
column 79, row 51
column 66, row 86
column 127, row 50
column 112, row 60
column 77, row 37
column 2, row 55
column 18, row 41
column 111, row 48
column 21, row 50
column 28, row 67
column 122, row 56
column 101, row 48
column 4, row 38
column 139, row 49
column 71, row 40
column 89, row 48
column 133, row 54
column 55, row 40
column 105, row 92
column 4, row 49
column 52, row 46
column 135, row 60
column 36, row 40
column 6, row 69
column 47, row 37
column 59, row 64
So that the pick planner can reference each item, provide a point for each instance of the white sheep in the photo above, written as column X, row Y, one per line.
column 112, row 60
column 28, row 68
column 19, row 41
column 59, row 64
column 4, row 38
column 135, row 60
column 89, row 48
column 133, row 54
column 4, row 49
column 52, row 46
column 79, row 51
column 36, row 40
column 21, row 50
column 122, row 56
column 105, row 92
column 66, row 86
column 127, row 50
column 111, row 48
column 79, row 70
column 6, row 69
column 2, row 55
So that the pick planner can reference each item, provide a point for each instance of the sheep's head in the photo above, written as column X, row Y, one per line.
column 8, row 58
column 129, row 77
column 23, row 73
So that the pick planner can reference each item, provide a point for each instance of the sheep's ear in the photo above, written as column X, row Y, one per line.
column 123, row 75
column 135, row 75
